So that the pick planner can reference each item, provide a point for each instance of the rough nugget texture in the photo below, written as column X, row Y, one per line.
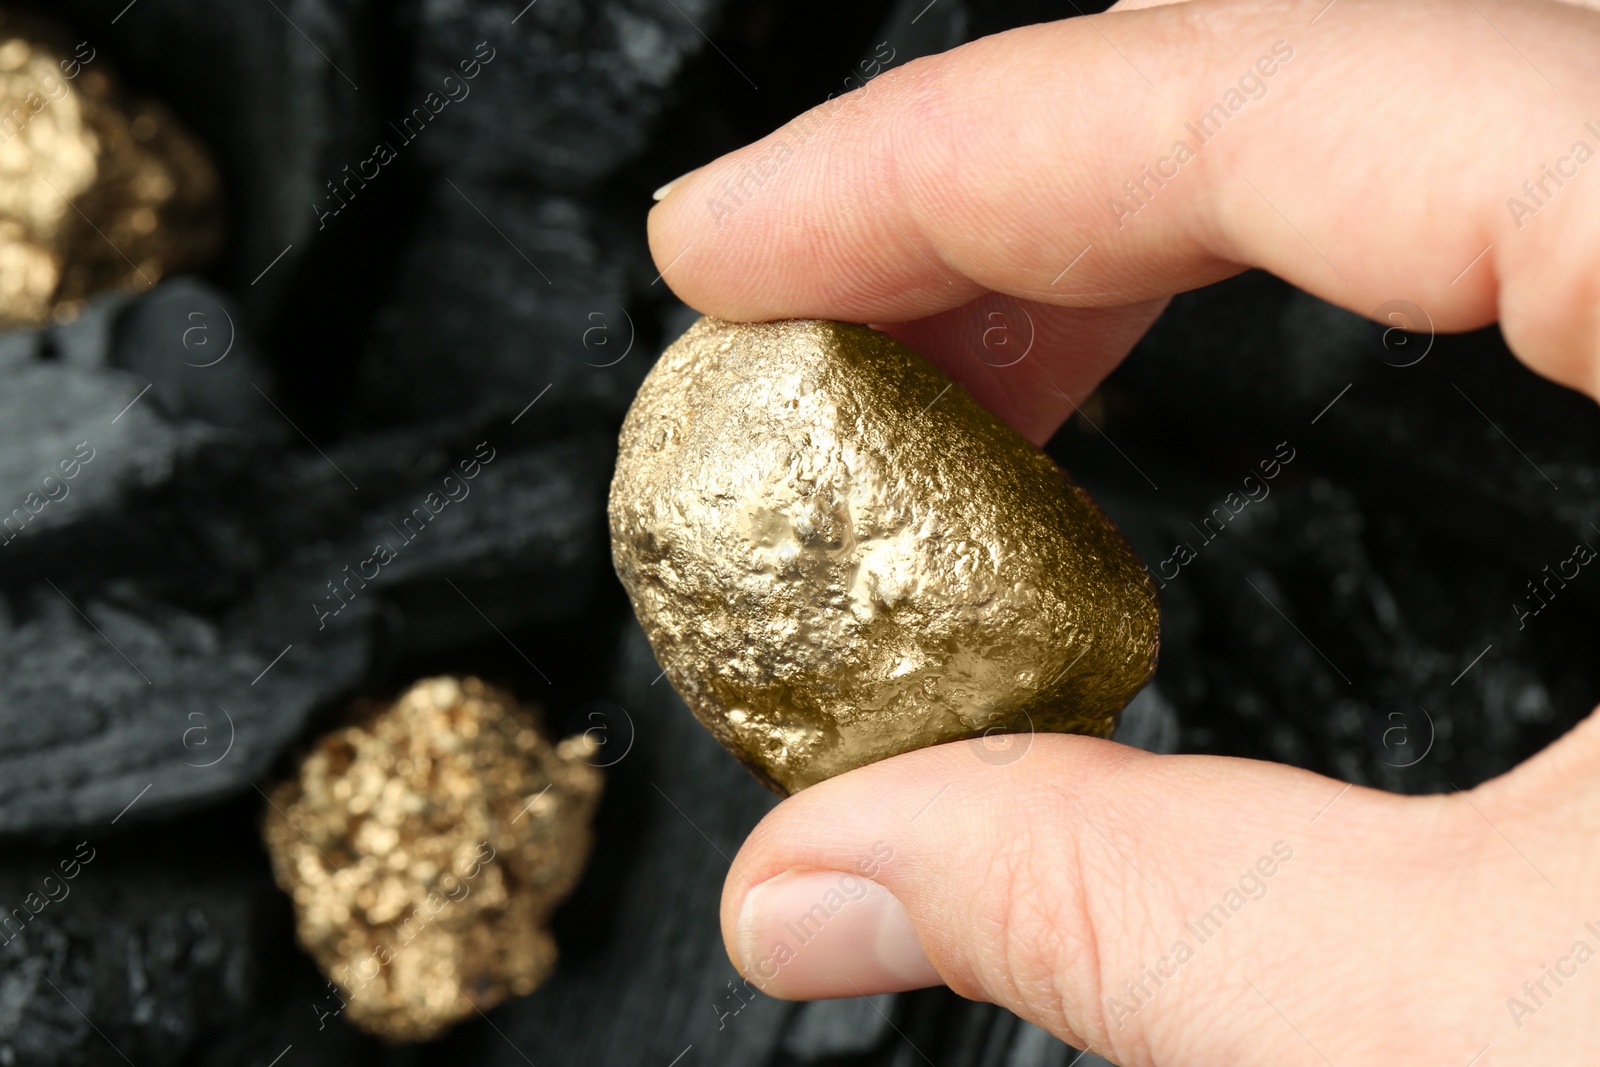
column 838, row 555
column 425, row 848
column 97, row 190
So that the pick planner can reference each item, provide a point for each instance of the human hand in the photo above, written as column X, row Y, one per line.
column 1384, row 157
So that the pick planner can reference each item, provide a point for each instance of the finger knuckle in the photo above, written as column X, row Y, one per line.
column 1045, row 947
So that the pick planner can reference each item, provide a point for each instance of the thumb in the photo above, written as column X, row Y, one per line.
column 1157, row 909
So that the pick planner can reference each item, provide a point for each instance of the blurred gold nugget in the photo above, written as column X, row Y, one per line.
column 838, row 556
column 425, row 848
column 97, row 191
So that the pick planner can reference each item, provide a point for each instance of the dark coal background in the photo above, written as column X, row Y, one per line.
column 161, row 656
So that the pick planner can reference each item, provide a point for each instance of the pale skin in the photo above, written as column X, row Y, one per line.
column 1377, row 165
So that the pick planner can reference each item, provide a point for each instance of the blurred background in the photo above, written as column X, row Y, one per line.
column 169, row 641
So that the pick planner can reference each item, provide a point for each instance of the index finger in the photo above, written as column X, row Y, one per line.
column 1365, row 151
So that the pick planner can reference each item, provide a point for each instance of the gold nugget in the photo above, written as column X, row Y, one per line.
column 425, row 847
column 839, row 556
column 97, row 191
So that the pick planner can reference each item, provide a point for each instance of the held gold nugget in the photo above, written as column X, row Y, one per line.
column 425, row 847
column 838, row 557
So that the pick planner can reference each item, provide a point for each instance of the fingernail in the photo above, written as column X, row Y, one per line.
column 815, row 934
column 661, row 193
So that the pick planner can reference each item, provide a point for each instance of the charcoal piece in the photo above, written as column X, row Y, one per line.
column 312, row 497
column 913, row 29
column 962, row 1033
column 198, row 538
column 75, row 440
column 108, row 435
column 1256, row 355
column 519, row 547
column 527, row 508
column 18, row 348
column 1359, row 618
column 1149, row 722
column 189, row 342
column 501, row 296
column 87, row 339
column 643, row 972
column 124, row 962
column 825, row 1030
column 154, row 695
column 120, row 702
column 1321, row 652
column 571, row 91
column 1033, row 1047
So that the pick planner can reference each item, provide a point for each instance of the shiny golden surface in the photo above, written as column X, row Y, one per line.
column 838, row 556
column 424, row 848
column 96, row 191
